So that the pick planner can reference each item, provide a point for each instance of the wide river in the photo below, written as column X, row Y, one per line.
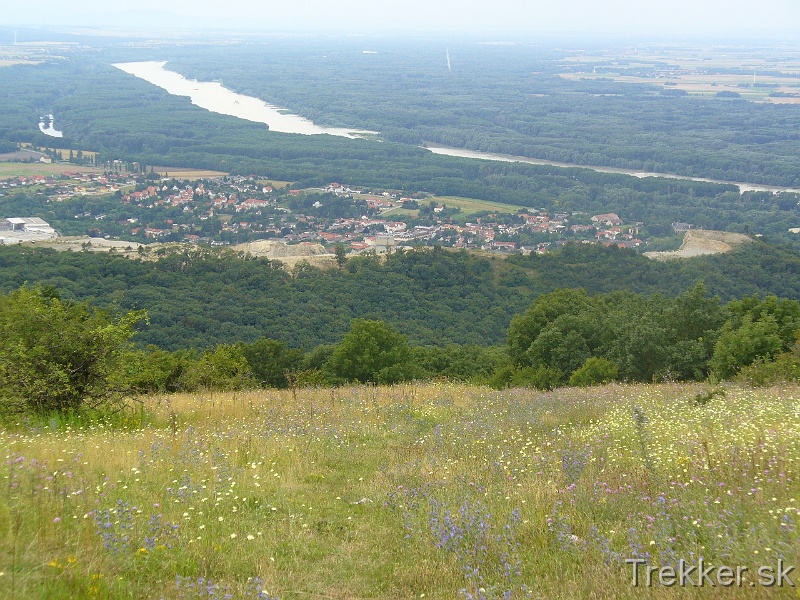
column 215, row 98
column 462, row 153
column 212, row 96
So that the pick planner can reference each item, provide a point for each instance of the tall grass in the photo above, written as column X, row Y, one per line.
column 434, row 491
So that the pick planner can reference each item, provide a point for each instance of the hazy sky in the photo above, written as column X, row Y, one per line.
column 746, row 18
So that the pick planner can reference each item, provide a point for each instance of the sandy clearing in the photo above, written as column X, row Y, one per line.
column 700, row 242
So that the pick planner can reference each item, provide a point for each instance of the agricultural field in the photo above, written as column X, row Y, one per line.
column 745, row 85
column 468, row 206
column 471, row 206
column 772, row 77
column 274, row 183
column 63, row 153
column 7, row 62
column 12, row 170
column 32, row 53
column 190, row 174
column 411, row 491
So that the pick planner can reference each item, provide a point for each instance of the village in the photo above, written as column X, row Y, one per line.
column 147, row 208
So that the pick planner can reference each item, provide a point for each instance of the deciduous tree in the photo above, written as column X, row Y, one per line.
column 372, row 352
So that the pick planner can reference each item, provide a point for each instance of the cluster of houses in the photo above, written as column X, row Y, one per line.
column 23, row 181
column 245, row 206
column 69, row 184
column 386, row 234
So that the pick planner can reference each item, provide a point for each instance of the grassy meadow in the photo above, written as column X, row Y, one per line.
column 412, row 491
column 468, row 206
column 11, row 170
column 190, row 174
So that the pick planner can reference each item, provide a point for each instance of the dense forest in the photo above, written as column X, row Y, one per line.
column 60, row 355
column 200, row 297
column 508, row 99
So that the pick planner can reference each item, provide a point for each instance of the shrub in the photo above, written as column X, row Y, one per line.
column 61, row 356
column 786, row 367
column 540, row 378
column 594, row 371
column 270, row 360
column 742, row 346
column 223, row 367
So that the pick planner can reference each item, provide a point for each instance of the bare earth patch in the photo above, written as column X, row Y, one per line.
column 699, row 242
column 289, row 254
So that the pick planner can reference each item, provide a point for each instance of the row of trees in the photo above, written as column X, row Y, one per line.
column 64, row 356
column 371, row 351
column 198, row 297
column 59, row 355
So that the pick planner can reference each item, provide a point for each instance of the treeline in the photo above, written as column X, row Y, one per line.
column 199, row 297
column 371, row 351
column 564, row 337
column 570, row 337
column 58, row 355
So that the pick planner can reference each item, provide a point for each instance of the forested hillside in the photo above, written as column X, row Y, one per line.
column 199, row 297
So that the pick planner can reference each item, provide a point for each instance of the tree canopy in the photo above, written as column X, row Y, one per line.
column 371, row 352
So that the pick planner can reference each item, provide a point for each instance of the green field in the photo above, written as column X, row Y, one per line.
column 413, row 491
column 190, row 174
column 468, row 206
column 11, row 170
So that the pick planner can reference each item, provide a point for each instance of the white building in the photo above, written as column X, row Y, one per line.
column 381, row 243
column 15, row 230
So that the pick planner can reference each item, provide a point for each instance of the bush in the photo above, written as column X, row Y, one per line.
column 540, row 378
column 594, row 371
column 467, row 363
column 785, row 368
column 741, row 347
column 269, row 362
column 60, row 356
column 223, row 367
column 154, row 370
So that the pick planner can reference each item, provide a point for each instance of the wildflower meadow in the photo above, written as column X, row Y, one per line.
column 409, row 491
